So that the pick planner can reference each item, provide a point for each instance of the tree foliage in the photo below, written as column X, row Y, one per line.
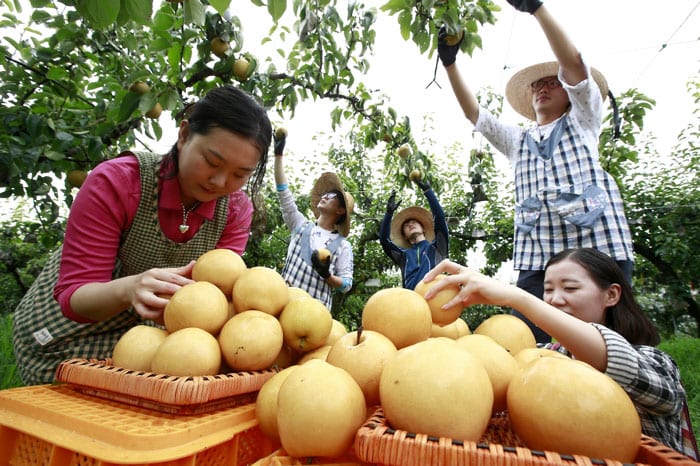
column 68, row 102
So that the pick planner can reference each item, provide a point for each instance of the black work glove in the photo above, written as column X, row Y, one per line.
column 528, row 6
column 280, row 142
column 423, row 185
column 447, row 52
column 322, row 268
column 392, row 204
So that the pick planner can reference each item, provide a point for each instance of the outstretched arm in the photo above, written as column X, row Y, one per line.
column 583, row 340
column 441, row 232
column 448, row 52
column 390, row 249
column 465, row 97
column 566, row 53
column 147, row 292
column 280, row 177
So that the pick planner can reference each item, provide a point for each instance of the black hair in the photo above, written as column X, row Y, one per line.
column 625, row 317
column 230, row 108
column 341, row 200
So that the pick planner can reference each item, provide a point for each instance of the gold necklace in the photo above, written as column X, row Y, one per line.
column 185, row 213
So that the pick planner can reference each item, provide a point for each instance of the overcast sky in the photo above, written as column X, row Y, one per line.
column 643, row 44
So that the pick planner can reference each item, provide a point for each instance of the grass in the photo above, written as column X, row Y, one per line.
column 9, row 376
column 685, row 352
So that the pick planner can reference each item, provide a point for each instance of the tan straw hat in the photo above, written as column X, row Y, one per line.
column 329, row 181
column 518, row 88
column 423, row 216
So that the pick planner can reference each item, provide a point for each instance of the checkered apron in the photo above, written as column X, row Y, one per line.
column 564, row 199
column 43, row 337
column 299, row 272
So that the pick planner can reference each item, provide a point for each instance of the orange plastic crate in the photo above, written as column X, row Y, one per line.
column 53, row 425
column 281, row 458
column 377, row 442
column 166, row 393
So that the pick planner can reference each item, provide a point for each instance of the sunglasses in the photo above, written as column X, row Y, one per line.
column 328, row 196
column 551, row 83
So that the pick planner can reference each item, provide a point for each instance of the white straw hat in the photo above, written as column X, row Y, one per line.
column 329, row 181
column 421, row 215
column 518, row 90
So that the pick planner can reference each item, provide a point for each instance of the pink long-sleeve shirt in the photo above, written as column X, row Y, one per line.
column 104, row 208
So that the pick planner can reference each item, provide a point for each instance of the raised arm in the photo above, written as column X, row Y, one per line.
column 564, row 50
column 447, row 51
column 280, row 138
column 439, row 221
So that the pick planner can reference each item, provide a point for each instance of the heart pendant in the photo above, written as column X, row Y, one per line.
column 184, row 228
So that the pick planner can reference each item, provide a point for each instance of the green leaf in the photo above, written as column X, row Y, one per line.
column 53, row 155
column 195, row 12
column 405, row 19
column 129, row 104
column 139, row 11
column 220, row 5
column 100, row 13
column 163, row 21
column 276, row 8
column 56, row 73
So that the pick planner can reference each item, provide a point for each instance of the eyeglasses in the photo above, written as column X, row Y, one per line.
column 329, row 196
column 551, row 83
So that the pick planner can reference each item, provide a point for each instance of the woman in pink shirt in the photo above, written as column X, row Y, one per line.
column 136, row 227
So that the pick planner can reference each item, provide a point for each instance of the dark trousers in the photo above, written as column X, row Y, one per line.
column 532, row 281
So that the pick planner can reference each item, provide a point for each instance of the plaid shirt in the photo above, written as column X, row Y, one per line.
column 298, row 271
column 653, row 382
column 564, row 198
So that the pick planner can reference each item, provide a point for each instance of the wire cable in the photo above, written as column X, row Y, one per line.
column 668, row 41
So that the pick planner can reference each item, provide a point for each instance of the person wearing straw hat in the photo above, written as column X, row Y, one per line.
column 564, row 198
column 332, row 206
column 415, row 239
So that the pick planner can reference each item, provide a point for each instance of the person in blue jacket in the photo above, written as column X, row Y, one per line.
column 416, row 240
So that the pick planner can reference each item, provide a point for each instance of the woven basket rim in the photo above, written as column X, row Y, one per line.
column 103, row 378
column 377, row 442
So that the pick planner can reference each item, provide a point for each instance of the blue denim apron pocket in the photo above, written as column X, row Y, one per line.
column 527, row 214
column 583, row 209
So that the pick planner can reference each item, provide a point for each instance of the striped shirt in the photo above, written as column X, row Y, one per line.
column 653, row 382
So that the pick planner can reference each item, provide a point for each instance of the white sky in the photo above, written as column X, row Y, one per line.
column 624, row 39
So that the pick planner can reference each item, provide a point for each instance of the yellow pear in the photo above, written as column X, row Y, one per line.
column 509, row 331
column 199, row 304
column 136, row 347
column 262, row 289
column 251, row 340
column 188, row 352
column 400, row 314
column 564, row 406
column 498, row 362
column 222, row 267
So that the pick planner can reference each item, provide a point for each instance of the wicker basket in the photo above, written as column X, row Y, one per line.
column 165, row 393
column 377, row 442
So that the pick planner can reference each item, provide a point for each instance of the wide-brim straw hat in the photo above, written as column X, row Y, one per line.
column 423, row 216
column 329, row 181
column 518, row 90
